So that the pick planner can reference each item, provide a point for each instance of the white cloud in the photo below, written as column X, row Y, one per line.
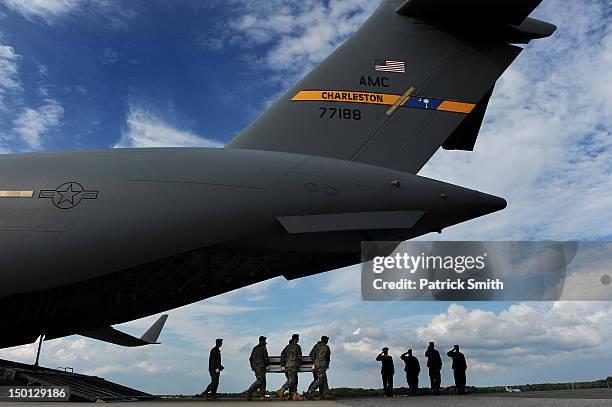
column 9, row 68
column 109, row 13
column 110, row 56
column 146, row 130
column 48, row 10
column 518, row 331
column 153, row 367
column 478, row 366
column 259, row 291
column 32, row 124
column 297, row 35
column 346, row 280
column 224, row 309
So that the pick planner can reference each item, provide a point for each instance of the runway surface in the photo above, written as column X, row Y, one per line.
column 560, row 398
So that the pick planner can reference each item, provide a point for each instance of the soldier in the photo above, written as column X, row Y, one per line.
column 291, row 363
column 259, row 364
column 312, row 357
column 320, row 355
column 412, row 369
column 214, row 368
column 434, row 364
column 283, row 358
column 459, row 368
column 387, row 370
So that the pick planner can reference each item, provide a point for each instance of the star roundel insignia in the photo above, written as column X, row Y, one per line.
column 68, row 195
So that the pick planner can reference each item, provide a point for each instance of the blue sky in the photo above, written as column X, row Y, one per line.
column 85, row 74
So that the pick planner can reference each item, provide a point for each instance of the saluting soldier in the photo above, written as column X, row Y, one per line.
column 387, row 370
column 434, row 364
column 459, row 368
column 320, row 355
column 412, row 369
column 291, row 363
column 259, row 364
column 214, row 368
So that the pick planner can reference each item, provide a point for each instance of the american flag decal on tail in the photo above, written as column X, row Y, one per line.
column 386, row 65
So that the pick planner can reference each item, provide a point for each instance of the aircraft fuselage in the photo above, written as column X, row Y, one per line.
column 103, row 237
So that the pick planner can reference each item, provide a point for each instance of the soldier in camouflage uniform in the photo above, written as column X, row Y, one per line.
column 283, row 358
column 259, row 364
column 291, row 363
column 320, row 355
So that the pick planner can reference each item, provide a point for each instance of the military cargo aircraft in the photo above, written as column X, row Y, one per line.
column 95, row 238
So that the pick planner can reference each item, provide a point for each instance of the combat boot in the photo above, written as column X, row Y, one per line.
column 297, row 397
column 281, row 392
column 248, row 395
column 265, row 397
column 309, row 395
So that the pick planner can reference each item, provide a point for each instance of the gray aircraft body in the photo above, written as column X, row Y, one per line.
column 92, row 239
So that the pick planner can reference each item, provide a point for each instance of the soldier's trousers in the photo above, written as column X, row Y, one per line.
column 292, row 379
column 434, row 378
column 387, row 379
column 260, row 381
column 320, row 381
column 287, row 378
column 459, row 380
column 214, row 382
column 413, row 382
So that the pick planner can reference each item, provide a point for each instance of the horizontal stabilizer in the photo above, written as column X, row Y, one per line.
column 505, row 19
column 499, row 11
column 530, row 29
column 112, row 335
column 337, row 222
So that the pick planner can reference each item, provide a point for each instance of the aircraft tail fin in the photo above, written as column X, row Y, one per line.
column 416, row 76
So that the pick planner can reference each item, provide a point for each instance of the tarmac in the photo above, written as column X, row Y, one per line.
column 559, row 398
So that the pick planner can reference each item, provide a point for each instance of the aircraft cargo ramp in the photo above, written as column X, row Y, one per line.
column 82, row 387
